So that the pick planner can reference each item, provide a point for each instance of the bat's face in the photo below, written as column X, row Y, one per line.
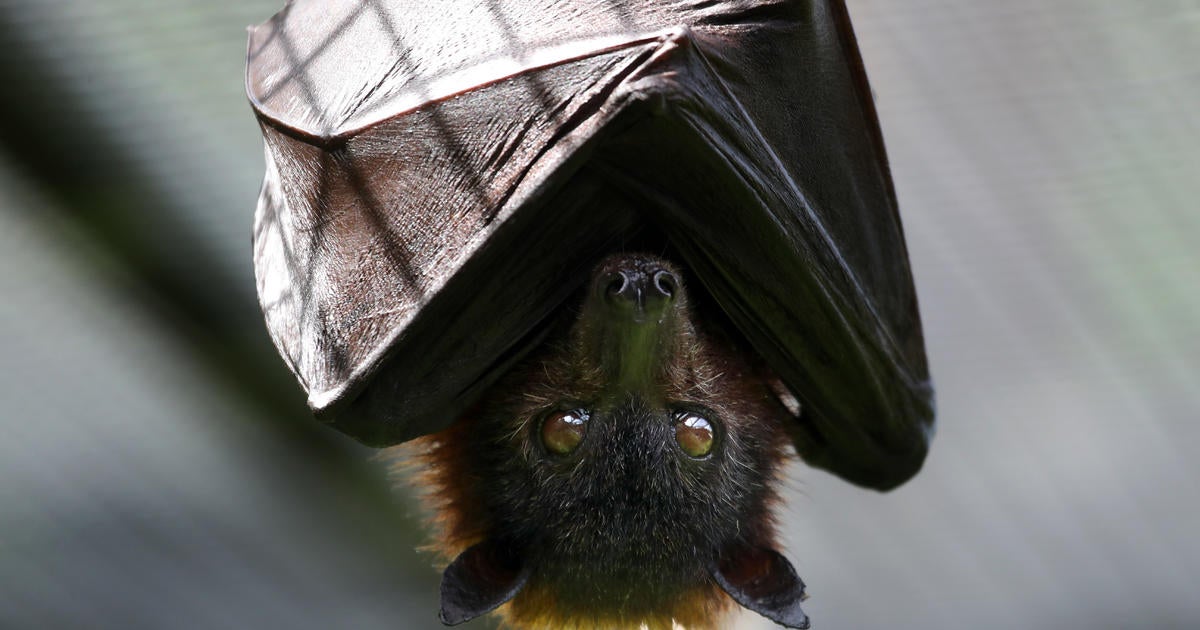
column 620, row 475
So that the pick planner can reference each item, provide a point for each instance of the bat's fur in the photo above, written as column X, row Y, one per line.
column 623, row 531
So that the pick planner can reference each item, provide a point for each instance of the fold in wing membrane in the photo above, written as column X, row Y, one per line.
column 426, row 185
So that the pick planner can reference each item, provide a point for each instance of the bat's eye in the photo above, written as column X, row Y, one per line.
column 562, row 431
column 694, row 434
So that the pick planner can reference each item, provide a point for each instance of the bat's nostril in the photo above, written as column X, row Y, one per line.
column 665, row 283
column 618, row 286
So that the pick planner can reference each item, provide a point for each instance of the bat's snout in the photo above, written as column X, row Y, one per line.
column 640, row 286
column 633, row 322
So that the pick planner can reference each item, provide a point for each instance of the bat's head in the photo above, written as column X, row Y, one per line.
column 622, row 474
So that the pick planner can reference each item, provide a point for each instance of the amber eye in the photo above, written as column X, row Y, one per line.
column 694, row 434
column 562, row 431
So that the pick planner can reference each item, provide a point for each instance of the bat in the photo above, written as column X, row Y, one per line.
column 607, row 262
column 640, row 442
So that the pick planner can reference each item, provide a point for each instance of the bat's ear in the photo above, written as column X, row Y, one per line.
column 764, row 581
column 480, row 580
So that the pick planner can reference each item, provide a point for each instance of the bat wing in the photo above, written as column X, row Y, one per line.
column 441, row 176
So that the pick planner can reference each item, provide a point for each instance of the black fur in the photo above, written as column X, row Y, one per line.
column 627, row 525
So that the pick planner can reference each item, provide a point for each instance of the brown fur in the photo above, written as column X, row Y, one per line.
column 707, row 368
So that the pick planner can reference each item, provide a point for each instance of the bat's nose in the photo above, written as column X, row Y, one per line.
column 644, row 289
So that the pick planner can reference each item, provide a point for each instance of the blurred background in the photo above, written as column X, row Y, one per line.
column 158, row 468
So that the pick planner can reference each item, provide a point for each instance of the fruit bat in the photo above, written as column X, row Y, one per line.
column 607, row 262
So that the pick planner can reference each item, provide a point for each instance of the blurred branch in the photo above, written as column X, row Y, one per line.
column 57, row 135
